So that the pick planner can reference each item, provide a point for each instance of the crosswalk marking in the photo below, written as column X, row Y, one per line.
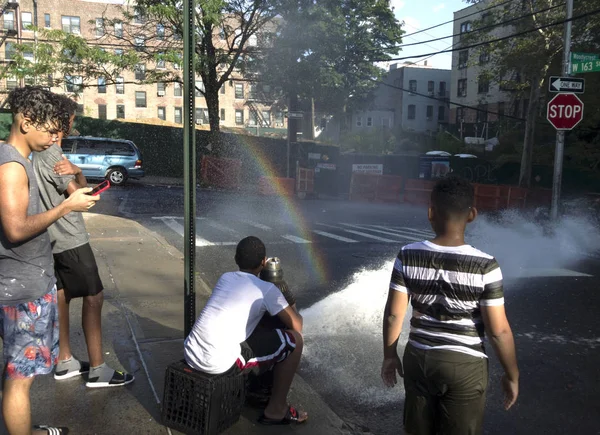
column 178, row 228
column 223, row 228
column 395, row 233
column 402, row 233
column 371, row 236
column 424, row 232
column 257, row 225
column 334, row 236
column 295, row 239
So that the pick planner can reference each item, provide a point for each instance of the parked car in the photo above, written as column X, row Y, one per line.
column 115, row 160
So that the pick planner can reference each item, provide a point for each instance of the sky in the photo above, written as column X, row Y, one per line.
column 422, row 14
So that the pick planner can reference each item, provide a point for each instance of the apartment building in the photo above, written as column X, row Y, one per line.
column 470, row 85
column 242, row 104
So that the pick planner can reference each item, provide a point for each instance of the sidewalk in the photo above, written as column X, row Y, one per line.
column 143, row 334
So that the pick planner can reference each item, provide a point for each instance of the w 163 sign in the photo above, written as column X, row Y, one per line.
column 565, row 111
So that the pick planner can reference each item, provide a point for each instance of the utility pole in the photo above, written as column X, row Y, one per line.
column 560, row 134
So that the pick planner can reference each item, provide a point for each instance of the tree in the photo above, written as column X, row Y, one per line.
column 324, row 50
column 147, row 37
column 521, row 65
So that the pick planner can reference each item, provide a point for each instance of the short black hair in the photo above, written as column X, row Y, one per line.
column 37, row 104
column 65, row 108
column 452, row 196
column 250, row 253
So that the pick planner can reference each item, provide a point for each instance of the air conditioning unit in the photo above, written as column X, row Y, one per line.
column 161, row 93
column 199, row 121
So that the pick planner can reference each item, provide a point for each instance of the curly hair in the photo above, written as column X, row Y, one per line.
column 36, row 104
column 453, row 196
column 64, row 108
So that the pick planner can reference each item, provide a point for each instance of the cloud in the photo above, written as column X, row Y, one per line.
column 439, row 7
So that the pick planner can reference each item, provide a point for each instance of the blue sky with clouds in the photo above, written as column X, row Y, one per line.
column 418, row 15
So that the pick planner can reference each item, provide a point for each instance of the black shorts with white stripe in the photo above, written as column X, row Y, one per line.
column 263, row 349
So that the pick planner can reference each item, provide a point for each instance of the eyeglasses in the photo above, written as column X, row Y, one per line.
column 50, row 131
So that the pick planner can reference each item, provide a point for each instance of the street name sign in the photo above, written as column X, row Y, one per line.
column 565, row 111
column 295, row 115
column 584, row 63
column 566, row 84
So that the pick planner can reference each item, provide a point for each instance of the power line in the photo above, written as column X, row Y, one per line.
column 479, row 44
column 466, row 16
column 481, row 29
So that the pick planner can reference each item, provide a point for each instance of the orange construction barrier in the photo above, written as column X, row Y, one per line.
column 418, row 191
column 221, row 172
column 276, row 186
column 389, row 188
column 363, row 187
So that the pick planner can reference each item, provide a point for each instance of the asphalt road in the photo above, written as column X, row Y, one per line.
column 337, row 257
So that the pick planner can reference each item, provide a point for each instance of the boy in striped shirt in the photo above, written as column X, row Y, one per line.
column 456, row 294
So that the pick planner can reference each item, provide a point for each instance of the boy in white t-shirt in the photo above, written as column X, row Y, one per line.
column 225, row 337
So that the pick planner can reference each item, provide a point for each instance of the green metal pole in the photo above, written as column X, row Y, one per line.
column 189, row 166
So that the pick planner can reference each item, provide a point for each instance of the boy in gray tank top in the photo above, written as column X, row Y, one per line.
column 28, row 310
column 74, row 264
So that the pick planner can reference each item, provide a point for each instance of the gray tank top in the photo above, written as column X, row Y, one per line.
column 26, row 268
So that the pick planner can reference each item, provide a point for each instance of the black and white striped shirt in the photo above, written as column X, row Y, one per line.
column 447, row 286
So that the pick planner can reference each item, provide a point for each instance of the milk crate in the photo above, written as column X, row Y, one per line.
column 199, row 403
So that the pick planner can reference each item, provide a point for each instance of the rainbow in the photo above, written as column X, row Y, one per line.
column 313, row 261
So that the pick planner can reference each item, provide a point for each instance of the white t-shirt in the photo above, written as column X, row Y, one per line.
column 238, row 302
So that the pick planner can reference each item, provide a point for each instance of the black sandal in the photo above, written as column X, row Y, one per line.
column 291, row 416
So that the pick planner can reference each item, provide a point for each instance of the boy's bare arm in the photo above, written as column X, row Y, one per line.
column 393, row 316
column 501, row 337
column 14, row 199
column 291, row 318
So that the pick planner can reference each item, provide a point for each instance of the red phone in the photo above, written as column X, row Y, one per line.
column 100, row 188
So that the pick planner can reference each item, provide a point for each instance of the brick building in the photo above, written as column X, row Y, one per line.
column 242, row 103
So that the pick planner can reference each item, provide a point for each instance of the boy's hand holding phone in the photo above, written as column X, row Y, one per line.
column 81, row 200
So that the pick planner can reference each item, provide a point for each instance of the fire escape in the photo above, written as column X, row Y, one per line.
column 8, row 29
column 256, row 98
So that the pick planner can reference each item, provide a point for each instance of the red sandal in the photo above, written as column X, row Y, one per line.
column 291, row 416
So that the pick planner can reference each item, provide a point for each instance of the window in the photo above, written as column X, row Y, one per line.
column 442, row 89
column 460, row 114
column 73, row 84
column 359, row 121
column 11, row 83
column 465, row 27
column 239, row 91
column 222, row 35
column 222, row 89
column 252, row 92
column 120, row 84
column 120, row 111
column 119, row 52
column 199, row 88
column 140, row 71
column 462, row 88
column 26, row 22
column 482, row 114
column 102, row 111
column 239, row 117
column 484, row 57
column 385, row 122
column 177, row 91
column 140, row 42
column 99, row 27
column 429, row 113
column 101, row 85
column 119, row 29
column 160, row 31
column 252, row 41
column 369, row 121
column 412, row 111
column 140, row 99
column 463, row 59
column 222, row 114
column 266, row 118
column 162, row 113
column 71, row 24
column 47, row 21
column 483, row 85
column 9, row 20
column 279, row 118
column 252, row 119
column 160, row 61
column 138, row 16
column 500, row 110
column 9, row 50
column 430, row 87
column 202, row 116
column 79, row 110
column 160, row 89
column 412, row 86
column 441, row 113
column 177, row 117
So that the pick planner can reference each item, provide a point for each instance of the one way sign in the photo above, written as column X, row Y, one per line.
column 567, row 84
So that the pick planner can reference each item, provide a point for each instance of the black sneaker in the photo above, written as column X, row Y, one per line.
column 118, row 379
column 52, row 430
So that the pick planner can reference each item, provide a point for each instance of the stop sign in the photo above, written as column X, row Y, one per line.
column 565, row 111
